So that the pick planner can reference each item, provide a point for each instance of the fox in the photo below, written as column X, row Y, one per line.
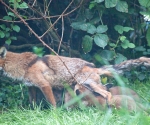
column 118, row 100
column 50, row 71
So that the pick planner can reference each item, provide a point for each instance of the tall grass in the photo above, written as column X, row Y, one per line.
column 86, row 116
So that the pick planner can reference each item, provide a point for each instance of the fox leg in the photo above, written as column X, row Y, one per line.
column 48, row 93
column 32, row 94
column 98, row 89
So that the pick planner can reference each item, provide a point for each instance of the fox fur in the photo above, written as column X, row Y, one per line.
column 118, row 100
column 49, row 72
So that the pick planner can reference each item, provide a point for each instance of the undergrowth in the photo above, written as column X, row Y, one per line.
column 86, row 116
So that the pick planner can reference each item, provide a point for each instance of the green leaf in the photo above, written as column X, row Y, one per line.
column 125, row 44
column 122, row 38
column 91, row 29
column 2, row 35
column 87, row 43
column 107, row 54
column 98, row 58
column 84, row 26
column 88, row 14
column 131, row 45
column 140, row 48
column 122, row 6
column 16, row 28
column 8, row 41
column 102, row 28
column 119, row 29
column 7, row 34
column 120, row 58
column 148, row 36
column 23, row 5
column 7, row 18
column 13, row 38
column 76, row 25
column 110, row 3
column 92, row 5
column 7, row 29
column 3, row 26
column 11, row 14
column 98, row 1
column 101, row 40
column 126, row 29
column 145, row 3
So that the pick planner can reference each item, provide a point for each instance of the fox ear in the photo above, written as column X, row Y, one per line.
column 3, row 52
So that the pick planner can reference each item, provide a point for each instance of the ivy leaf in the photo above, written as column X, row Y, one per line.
column 120, row 58
column 122, row 6
column 101, row 40
column 8, row 41
column 148, row 36
column 16, row 28
column 119, row 29
column 2, row 35
column 102, row 28
column 87, row 43
column 131, row 45
column 110, row 3
column 145, row 3
column 23, row 5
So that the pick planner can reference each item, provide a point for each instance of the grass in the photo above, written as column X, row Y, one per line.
column 87, row 116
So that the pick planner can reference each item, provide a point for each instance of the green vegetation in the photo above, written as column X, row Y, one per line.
column 89, row 115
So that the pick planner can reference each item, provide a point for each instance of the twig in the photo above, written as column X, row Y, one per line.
column 62, row 33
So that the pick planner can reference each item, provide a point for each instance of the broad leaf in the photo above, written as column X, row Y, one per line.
column 87, row 43
column 91, row 29
column 84, row 26
column 13, row 38
column 122, row 6
column 110, row 3
column 16, row 28
column 102, row 28
column 148, row 36
column 131, row 45
column 122, row 38
column 76, row 25
column 11, row 14
column 120, row 58
column 107, row 54
column 119, row 29
column 125, row 44
column 3, row 26
column 7, row 34
column 140, row 48
column 2, row 35
column 23, row 5
column 126, row 29
column 145, row 3
column 8, row 41
column 7, row 18
column 101, row 60
column 101, row 40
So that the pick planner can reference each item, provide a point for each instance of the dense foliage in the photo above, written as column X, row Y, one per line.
column 100, row 31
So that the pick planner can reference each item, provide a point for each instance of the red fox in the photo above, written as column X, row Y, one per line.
column 49, row 71
column 118, row 100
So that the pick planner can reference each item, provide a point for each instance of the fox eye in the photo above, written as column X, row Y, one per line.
column 77, row 92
